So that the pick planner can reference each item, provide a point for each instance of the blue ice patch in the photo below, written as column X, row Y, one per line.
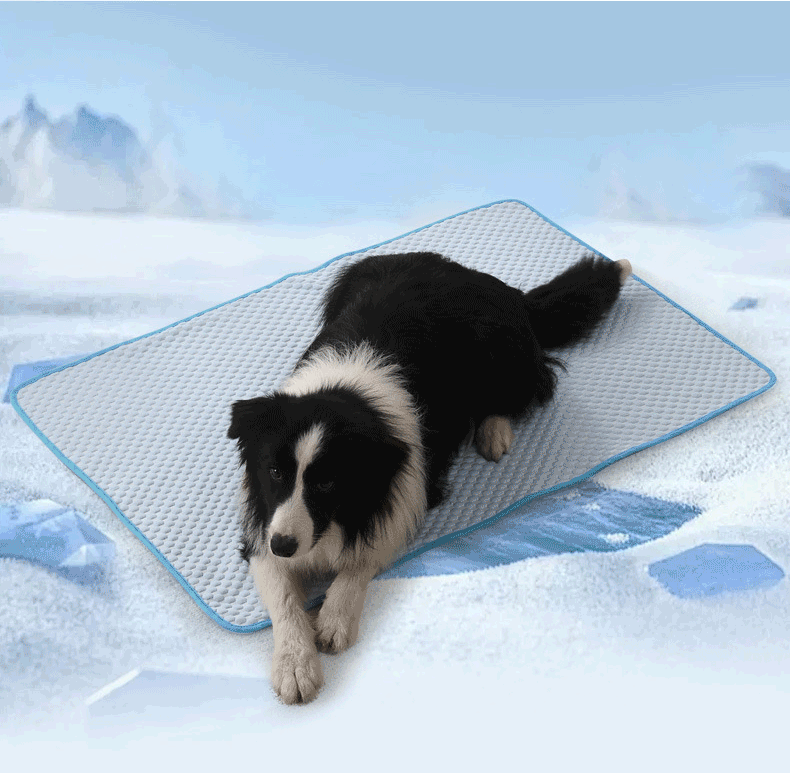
column 173, row 704
column 44, row 532
column 581, row 518
column 28, row 370
column 708, row 569
column 744, row 303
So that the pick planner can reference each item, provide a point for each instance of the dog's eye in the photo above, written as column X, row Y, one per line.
column 276, row 473
column 325, row 486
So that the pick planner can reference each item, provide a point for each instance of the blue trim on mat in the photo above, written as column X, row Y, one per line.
column 442, row 540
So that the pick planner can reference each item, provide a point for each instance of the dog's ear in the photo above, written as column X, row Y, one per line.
column 256, row 417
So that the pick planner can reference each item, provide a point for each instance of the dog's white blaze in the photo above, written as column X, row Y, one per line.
column 369, row 374
column 292, row 518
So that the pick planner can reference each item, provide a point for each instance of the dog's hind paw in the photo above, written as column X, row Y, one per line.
column 624, row 266
column 494, row 437
column 297, row 675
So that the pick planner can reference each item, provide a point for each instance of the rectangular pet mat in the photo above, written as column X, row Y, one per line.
column 144, row 423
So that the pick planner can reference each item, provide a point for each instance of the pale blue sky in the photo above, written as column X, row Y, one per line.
column 321, row 111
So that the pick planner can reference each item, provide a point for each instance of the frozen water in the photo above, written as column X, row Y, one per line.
column 170, row 700
column 584, row 517
column 708, row 569
column 28, row 370
column 48, row 533
column 744, row 303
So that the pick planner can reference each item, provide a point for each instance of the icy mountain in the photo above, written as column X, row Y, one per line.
column 88, row 162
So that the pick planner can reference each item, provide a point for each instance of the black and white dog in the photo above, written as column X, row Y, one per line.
column 415, row 353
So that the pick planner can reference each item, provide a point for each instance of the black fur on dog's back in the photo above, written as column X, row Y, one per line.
column 469, row 345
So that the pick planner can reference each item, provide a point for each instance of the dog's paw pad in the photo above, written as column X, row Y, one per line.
column 335, row 633
column 297, row 676
column 494, row 438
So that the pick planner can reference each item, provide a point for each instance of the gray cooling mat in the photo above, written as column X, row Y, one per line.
column 144, row 423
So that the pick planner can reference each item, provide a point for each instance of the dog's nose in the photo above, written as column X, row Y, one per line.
column 283, row 546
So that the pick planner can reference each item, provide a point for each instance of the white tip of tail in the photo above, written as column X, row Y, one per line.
column 625, row 269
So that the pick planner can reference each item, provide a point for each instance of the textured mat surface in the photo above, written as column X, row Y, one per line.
column 144, row 423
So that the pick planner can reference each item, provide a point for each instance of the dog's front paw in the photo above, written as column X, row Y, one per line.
column 297, row 675
column 494, row 437
column 336, row 631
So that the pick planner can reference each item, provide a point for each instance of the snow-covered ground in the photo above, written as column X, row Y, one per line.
column 564, row 661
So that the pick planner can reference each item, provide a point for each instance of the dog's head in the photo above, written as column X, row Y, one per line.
column 310, row 461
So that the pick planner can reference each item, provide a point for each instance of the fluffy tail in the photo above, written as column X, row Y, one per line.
column 568, row 307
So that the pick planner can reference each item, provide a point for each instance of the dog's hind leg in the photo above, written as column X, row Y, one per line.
column 494, row 437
